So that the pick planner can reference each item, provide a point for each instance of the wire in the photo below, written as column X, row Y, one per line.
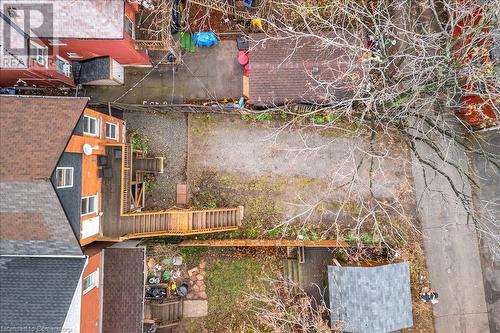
column 142, row 79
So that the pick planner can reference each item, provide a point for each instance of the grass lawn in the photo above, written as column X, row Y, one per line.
column 228, row 280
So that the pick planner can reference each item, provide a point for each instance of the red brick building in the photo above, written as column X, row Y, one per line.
column 46, row 43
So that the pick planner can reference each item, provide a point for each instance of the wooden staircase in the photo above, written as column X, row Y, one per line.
column 292, row 270
column 181, row 222
column 167, row 313
column 148, row 165
column 173, row 222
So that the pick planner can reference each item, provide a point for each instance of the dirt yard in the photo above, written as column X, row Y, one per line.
column 319, row 177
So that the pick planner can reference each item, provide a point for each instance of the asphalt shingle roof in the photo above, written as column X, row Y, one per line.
column 34, row 132
column 123, row 294
column 32, row 221
column 370, row 299
column 36, row 292
column 281, row 71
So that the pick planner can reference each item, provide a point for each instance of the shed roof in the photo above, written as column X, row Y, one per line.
column 123, row 294
column 370, row 299
column 301, row 70
column 36, row 292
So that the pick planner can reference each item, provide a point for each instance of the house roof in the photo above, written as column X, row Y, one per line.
column 37, row 291
column 285, row 70
column 34, row 132
column 370, row 299
column 91, row 19
column 123, row 292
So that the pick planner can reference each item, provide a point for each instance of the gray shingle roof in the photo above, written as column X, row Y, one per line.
column 370, row 299
column 33, row 221
column 37, row 291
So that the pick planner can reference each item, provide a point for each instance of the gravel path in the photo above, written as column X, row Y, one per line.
column 167, row 135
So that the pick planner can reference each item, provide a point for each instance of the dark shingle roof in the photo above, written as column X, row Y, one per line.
column 370, row 299
column 37, row 291
column 123, row 292
column 34, row 132
column 281, row 71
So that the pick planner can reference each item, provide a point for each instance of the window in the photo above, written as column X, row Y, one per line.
column 90, row 125
column 64, row 177
column 91, row 281
column 129, row 27
column 111, row 131
column 89, row 205
column 74, row 55
column 39, row 53
column 63, row 66
column 56, row 42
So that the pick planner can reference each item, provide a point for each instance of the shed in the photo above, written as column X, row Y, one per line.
column 304, row 69
column 370, row 299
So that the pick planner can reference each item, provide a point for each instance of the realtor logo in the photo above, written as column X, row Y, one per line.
column 21, row 24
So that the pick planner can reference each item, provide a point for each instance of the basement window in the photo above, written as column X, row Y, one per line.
column 89, row 205
column 91, row 281
column 90, row 125
column 111, row 131
column 64, row 177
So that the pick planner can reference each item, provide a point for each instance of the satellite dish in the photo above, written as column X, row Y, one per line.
column 87, row 149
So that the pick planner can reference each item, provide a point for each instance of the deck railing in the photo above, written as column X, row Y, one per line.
column 170, row 222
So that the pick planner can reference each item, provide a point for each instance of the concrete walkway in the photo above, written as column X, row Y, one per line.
column 451, row 245
column 208, row 74
column 489, row 205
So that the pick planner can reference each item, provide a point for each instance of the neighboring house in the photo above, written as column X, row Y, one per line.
column 69, row 179
column 44, row 42
column 41, row 262
column 113, row 288
column 299, row 70
column 123, row 270
column 472, row 49
column 370, row 299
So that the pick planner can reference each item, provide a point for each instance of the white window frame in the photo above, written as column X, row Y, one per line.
column 66, row 62
column 116, row 131
column 56, row 42
column 97, row 127
column 74, row 55
column 94, row 277
column 96, row 204
column 57, row 176
column 45, row 57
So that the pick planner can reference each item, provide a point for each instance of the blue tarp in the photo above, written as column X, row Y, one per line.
column 205, row 39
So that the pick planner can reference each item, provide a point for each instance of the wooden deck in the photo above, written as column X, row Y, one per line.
column 121, row 219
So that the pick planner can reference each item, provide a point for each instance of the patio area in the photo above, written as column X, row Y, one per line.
column 207, row 74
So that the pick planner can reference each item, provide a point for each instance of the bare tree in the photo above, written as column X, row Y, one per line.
column 283, row 307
